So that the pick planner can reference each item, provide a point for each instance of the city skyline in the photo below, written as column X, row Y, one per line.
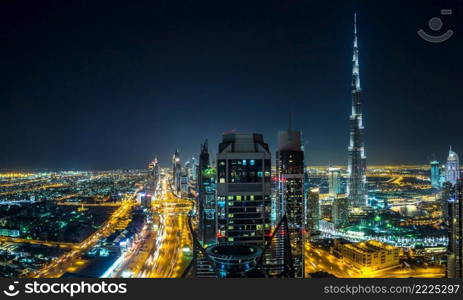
column 288, row 139
column 104, row 105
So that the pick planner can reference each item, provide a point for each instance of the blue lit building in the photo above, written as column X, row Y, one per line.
column 435, row 175
column 206, row 208
column 452, row 168
column 206, row 203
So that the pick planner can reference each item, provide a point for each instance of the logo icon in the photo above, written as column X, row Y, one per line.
column 435, row 24
column 11, row 291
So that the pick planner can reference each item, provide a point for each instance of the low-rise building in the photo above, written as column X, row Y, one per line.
column 368, row 255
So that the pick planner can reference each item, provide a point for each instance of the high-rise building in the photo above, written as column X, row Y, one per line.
column 191, row 169
column 357, row 188
column 455, row 249
column 243, row 189
column 446, row 193
column 442, row 179
column 452, row 168
column 435, row 174
column 206, row 205
column 290, row 178
column 194, row 169
column 187, row 169
column 154, row 173
column 184, row 183
column 313, row 210
column 176, row 171
column 340, row 212
column 334, row 181
column 206, row 198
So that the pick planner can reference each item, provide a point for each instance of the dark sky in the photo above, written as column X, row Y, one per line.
column 110, row 84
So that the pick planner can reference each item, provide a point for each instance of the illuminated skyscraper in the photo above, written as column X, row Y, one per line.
column 243, row 189
column 194, row 169
column 154, row 169
column 176, row 171
column 334, row 181
column 243, row 207
column 340, row 212
column 290, row 178
column 313, row 210
column 446, row 193
column 357, row 181
column 206, row 198
column 435, row 175
column 452, row 168
column 206, row 230
column 187, row 168
column 455, row 249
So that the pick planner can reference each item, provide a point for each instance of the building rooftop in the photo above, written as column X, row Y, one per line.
column 369, row 247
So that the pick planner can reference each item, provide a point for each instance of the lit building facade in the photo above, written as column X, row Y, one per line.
column 435, row 175
column 194, row 169
column 184, row 183
column 368, row 256
column 154, row 172
column 334, row 181
column 176, row 171
column 340, row 212
column 290, row 179
column 243, row 189
column 206, row 205
column 187, row 169
column 206, row 198
column 446, row 194
column 313, row 210
column 455, row 249
column 357, row 189
column 452, row 168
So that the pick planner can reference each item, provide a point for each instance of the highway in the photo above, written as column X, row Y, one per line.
column 163, row 253
column 169, row 255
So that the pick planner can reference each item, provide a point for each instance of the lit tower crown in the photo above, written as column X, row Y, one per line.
column 452, row 168
column 357, row 181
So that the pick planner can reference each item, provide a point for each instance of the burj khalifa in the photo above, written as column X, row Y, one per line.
column 357, row 181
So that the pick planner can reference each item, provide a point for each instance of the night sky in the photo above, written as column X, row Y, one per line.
column 111, row 84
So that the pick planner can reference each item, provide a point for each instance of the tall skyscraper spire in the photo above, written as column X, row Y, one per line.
column 355, row 60
column 357, row 181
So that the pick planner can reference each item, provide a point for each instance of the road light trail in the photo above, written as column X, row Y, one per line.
column 168, row 258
